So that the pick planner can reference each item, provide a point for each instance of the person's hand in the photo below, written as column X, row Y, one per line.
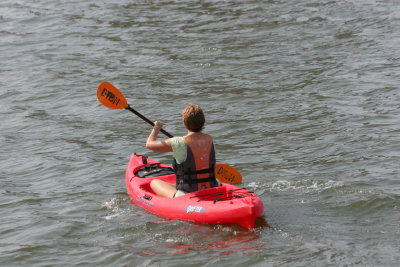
column 157, row 126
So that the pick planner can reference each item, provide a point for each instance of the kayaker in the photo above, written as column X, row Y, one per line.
column 194, row 156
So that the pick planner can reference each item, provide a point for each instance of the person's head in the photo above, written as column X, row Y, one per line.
column 193, row 118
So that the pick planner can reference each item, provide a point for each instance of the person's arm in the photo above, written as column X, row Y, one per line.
column 155, row 145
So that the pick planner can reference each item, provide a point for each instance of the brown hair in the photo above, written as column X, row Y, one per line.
column 193, row 118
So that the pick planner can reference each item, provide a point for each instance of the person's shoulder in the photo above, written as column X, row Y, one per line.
column 209, row 137
column 177, row 140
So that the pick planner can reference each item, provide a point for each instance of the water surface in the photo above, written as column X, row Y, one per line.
column 302, row 97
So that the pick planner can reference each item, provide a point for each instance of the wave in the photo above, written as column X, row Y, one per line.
column 304, row 186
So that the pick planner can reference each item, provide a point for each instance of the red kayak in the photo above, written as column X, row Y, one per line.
column 225, row 204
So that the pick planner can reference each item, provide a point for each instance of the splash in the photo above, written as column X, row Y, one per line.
column 305, row 186
column 116, row 206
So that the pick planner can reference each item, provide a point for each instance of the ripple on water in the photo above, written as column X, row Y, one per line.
column 300, row 96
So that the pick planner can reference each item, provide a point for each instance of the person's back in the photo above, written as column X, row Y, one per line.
column 194, row 156
column 195, row 169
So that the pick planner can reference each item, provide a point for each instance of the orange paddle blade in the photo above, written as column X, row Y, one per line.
column 110, row 96
column 227, row 174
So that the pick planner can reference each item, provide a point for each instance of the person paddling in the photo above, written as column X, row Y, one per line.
column 194, row 156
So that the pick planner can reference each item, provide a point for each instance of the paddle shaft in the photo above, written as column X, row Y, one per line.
column 147, row 120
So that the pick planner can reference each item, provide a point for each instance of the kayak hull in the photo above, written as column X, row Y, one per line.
column 226, row 204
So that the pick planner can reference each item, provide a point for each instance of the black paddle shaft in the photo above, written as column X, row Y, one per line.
column 147, row 120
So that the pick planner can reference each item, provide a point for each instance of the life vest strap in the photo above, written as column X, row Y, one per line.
column 197, row 181
column 198, row 172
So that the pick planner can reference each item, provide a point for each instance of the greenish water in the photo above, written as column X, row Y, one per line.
column 302, row 97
